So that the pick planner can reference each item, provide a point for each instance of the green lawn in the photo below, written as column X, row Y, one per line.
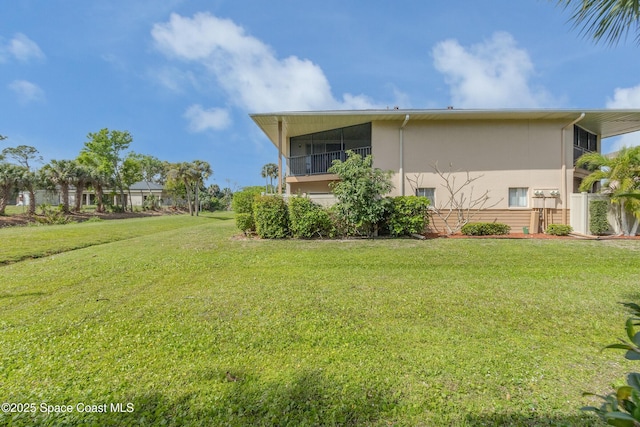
column 155, row 311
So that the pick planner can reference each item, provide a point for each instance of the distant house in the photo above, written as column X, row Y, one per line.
column 140, row 192
column 525, row 158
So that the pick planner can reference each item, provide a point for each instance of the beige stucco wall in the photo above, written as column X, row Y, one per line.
column 506, row 154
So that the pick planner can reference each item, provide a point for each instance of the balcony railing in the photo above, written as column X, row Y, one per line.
column 315, row 164
column 579, row 151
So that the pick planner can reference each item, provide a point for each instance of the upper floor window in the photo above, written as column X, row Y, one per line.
column 583, row 142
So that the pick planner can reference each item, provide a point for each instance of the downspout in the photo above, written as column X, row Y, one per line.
column 280, row 156
column 401, row 171
column 563, row 178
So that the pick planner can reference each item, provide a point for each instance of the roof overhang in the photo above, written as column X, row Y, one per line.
column 606, row 123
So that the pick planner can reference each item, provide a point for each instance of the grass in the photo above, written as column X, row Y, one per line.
column 373, row 332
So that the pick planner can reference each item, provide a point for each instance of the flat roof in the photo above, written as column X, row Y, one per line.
column 606, row 123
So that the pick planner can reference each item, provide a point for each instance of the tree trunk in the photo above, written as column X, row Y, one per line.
column 99, row 195
column 197, row 204
column 32, row 202
column 64, row 189
column 623, row 219
column 78, row 202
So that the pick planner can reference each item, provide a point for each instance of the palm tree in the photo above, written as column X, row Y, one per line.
column 182, row 172
column 60, row 173
column 29, row 180
column 202, row 171
column 270, row 172
column 619, row 175
column 80, row 178
column 9, row 175
column 608, row 20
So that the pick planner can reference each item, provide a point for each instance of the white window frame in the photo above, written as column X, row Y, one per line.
column 421, row 192
column 521, row 197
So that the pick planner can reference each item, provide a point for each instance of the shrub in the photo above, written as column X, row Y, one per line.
column 409, row 215
column 242, row 205
column 598, row 223
column 271, row 217
column 485, row 229
column 243, row 200
column 307, row 219
column 359, row 192
column 622, row 407
column 244, row 222
column 559, row 229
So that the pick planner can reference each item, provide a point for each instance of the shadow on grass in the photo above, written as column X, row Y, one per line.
column 524, row 420
column 24, row 294
column 308, row 398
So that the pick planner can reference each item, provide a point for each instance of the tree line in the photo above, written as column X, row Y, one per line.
column 105, row 164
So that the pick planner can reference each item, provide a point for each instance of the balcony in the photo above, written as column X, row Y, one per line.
column 579, row 151
column 316, row 164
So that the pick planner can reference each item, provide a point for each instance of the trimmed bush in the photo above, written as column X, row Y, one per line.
column 598, row 223
column 485, row 229
column 271, row 217
column 409, row 215
column 244, row 222
column 242, row 205
column 242, row 201
column 308, row 219
column 559, row 229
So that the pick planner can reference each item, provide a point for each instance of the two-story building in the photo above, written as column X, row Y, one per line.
column 523, row 159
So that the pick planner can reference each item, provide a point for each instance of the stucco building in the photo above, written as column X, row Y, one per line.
column 523, row 159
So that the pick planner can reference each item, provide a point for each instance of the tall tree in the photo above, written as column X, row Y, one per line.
column 269, row 172
column 202, row 171
column 61, row 173
column 608, row 20
column 80, row 178
column 106, row 148
column 23, row 154
column 620, row 176
column 131, row 173
column 29, row 180
column 9, row 175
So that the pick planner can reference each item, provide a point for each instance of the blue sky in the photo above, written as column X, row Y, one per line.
column 183, row 76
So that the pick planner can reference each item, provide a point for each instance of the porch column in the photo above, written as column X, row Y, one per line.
column 280, row 157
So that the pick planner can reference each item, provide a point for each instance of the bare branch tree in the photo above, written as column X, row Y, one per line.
column 459, row 208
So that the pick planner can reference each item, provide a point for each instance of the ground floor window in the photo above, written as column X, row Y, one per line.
column 518, row 197
column 429, row 193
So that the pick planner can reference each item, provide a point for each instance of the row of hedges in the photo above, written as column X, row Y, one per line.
column 271, row 217
column 485, row 229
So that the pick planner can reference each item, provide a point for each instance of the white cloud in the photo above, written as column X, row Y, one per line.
column 200, row 119
column 625, row 98
column 22, row 48
column 248, row 70
column 492, row 74
column 27, row 92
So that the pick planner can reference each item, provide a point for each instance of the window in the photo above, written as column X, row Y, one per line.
column 518, row 198
column 429, row 193
column 583, row 142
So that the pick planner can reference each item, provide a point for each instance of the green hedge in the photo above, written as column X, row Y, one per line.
column 485, row 229
column 559, row 229
column 242, row 201
column 409, row 215
column 271, row 217
column 245, row 223
column 598, row 223
column 308, row 219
